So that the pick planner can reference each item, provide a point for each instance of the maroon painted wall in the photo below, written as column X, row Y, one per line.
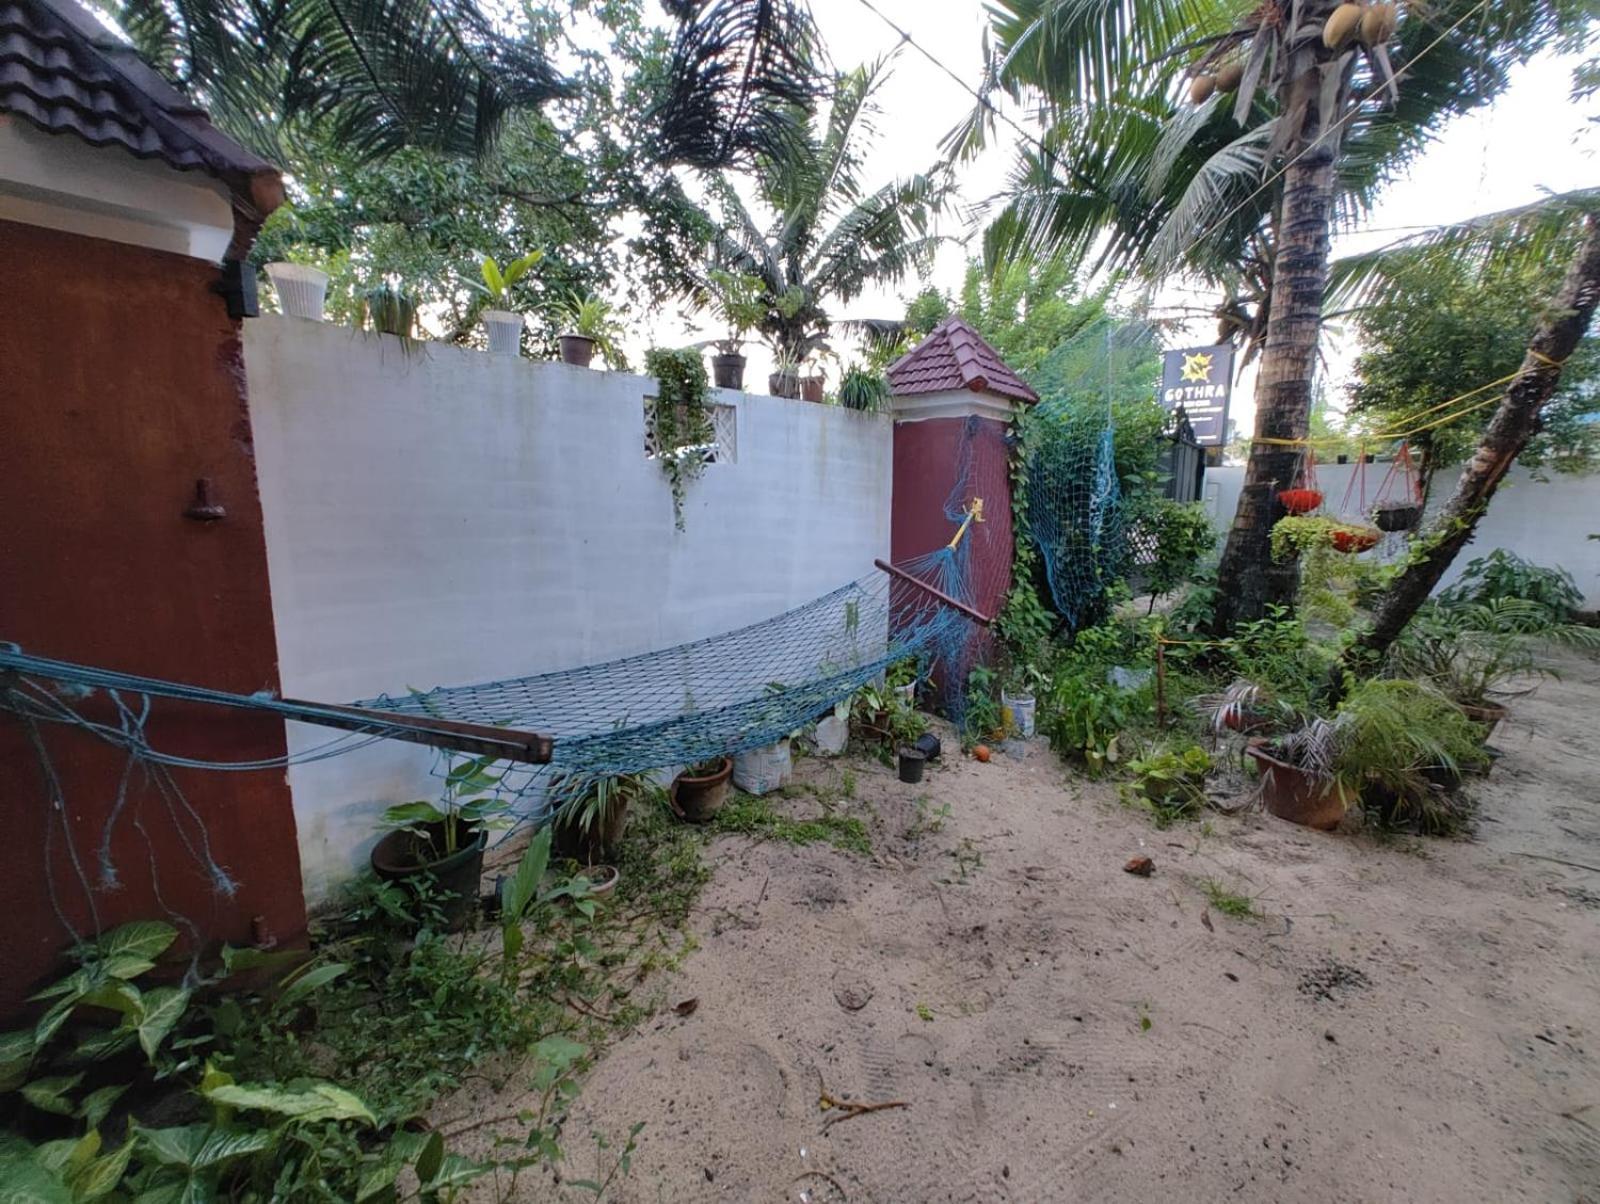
column 122, row 384
column 929, row 456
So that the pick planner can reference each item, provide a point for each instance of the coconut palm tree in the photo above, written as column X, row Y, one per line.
column 1223, row 139
column 824, row 236
column 373, row 76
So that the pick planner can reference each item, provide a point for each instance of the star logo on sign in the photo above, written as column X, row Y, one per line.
column 1197, row 367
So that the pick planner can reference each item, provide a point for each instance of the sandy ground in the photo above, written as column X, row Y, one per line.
column 1409, row 1020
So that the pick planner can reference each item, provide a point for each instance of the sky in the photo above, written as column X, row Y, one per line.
column 1533, row 138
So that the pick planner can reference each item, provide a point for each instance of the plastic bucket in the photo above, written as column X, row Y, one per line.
column 1021, row 707
column 912, row 762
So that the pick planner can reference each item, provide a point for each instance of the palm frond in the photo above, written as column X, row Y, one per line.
column 741, row 77
column 1541, row 232
column 375, row 75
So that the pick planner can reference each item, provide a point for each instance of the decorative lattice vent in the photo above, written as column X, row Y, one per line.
column 724, row 432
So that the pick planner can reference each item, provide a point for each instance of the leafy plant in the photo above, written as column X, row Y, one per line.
column 739, row 300
column 981, row 714
column 498, row 283
column 1330, row 579
column 1171, row 782
column 681, row 418
column 244, row 1140
column 1179, row 535
column 1085, row 719
column 1390, row 741
column 525, row 892
column 470, row 804
column 390, row 309
column 1503, row 574
column 1473, row 651
column 883, row 718
column 587, row 812
column 593, row 318
column 863, row 389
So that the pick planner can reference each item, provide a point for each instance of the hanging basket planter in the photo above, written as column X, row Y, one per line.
column 1396, row 516
column 1354, row 539
column 1300, row 501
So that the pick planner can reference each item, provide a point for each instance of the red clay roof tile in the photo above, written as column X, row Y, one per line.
column 954, row 356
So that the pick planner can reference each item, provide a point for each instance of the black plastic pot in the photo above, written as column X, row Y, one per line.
column 576, row 349
column 1397, row 518
column 402, row 855
column 784, row 384
column 728, row 371
column 928, row 745
column 912, row 762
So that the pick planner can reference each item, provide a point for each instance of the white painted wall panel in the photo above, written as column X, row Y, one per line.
column 445, row 517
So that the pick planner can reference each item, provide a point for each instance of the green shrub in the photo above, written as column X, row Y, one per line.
column 1170, row 783
column 1503, row 574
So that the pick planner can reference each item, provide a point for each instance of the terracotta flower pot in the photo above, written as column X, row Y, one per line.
column 811, row 387
column 1354, row 539
column 1297, row 796
column 697, row 799
column 1488, row 715
column 1300, row 501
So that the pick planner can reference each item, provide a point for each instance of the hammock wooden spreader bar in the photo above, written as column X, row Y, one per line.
column 937, row 594
column 473, row 738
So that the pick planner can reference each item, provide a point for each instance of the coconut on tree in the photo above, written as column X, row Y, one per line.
column 1223, row 141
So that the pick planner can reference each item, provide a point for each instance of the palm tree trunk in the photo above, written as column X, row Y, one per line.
column 1249, row 580
column 1515, row 421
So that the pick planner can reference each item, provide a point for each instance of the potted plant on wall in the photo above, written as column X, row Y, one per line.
column 302, row 286
column 739, row 300
column 814, row 384
column 504, row 326
column 784, row 381
column 445, row 840
column 590, row 327
column 862, row 389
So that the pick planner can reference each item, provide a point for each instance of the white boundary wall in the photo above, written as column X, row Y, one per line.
column 1547, row 522
column 443, row 517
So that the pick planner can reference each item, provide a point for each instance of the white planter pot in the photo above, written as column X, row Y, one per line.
column 505, row 331
column 301, row 290
column 1020, row 711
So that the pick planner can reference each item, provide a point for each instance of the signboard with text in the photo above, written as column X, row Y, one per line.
column 1199, row 379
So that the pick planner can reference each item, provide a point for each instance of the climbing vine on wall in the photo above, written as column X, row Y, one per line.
column 681, row 417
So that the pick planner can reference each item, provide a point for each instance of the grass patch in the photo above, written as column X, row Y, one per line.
column 747, row 815
column 1241, row 907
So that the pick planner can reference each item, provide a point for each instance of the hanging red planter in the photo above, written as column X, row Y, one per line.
column 1303, row 496
column 1300, row 501
column 1354, row 539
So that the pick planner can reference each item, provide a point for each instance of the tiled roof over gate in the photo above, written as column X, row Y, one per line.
column 65, row 72
column 954, row 356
